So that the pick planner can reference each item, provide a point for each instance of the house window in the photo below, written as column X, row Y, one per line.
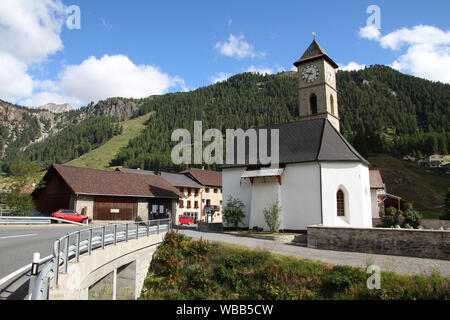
column 189, row 205
column 313, row 104
column 181, row 204
column 196, row 204
column 207, row 190
column 340, row 203
column 216, row 191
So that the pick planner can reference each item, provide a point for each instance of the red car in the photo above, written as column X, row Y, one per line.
column 186, row 220
column 71, row 215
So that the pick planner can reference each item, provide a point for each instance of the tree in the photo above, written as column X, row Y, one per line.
column 22, row 174
column 272, row 216
column 233, row 213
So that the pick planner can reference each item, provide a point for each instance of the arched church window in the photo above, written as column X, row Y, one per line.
column 340, row 203
column 313, row 104
column 332, row 104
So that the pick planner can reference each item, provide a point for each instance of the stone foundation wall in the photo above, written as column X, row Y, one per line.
column 430, row 244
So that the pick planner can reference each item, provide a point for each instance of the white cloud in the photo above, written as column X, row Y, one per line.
column 237, row 47
column 219, row 77
column 114, row 76
column 352, row 66
column 369, row 32
column 426, row 50
column 254, row 69
column 30, row 30
column 14, row 80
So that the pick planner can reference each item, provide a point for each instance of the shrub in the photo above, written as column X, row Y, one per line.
column 272, row 216
column 390, row 217
column 412, row 218
column 233, row 213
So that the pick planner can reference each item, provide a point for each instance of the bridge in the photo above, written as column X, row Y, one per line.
column 110, row 266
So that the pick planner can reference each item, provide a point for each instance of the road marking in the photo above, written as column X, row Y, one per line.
column 19, row 236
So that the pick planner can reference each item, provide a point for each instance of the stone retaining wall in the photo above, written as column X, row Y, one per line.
column 431, row 244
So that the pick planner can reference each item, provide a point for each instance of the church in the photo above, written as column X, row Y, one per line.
column 321, row 178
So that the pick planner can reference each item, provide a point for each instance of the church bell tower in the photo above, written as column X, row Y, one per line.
column 317, row 85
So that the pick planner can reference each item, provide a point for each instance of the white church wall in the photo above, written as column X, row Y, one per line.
column 238, row 188
column 300, row 196
column 353, row 179
column 265, row 192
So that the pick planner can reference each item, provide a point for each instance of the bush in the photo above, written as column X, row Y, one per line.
column 412, row 218
column 272, row 216
column 233, row 213
column 390, row 217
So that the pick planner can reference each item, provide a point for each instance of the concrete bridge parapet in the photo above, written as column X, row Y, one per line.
column 115, row 273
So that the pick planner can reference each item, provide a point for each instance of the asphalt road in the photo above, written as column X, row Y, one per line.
column 17, row 245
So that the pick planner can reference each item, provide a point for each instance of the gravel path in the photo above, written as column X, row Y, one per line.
column 397, row 264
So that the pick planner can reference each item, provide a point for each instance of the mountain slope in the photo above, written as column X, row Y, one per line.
column 423, row 187
column 101, row 157
column 382, row 110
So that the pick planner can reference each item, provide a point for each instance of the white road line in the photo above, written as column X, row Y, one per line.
column 19, row 236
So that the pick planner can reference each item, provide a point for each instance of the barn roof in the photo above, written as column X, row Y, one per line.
column 114, row 183
column 303, row 141
column 176, row 179
column 205, row 177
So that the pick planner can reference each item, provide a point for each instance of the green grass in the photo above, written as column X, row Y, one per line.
column 101, row 157
column 425, row 188
column 183, row 269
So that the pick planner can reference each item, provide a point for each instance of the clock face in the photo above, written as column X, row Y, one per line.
column 330, row 75
column 310, row 73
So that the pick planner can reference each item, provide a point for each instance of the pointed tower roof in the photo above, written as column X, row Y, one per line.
column 313, row 52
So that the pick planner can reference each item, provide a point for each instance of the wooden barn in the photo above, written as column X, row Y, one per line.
column 106, row 195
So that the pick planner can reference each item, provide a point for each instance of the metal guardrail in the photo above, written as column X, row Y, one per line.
column 63, row 251
column 33, row 220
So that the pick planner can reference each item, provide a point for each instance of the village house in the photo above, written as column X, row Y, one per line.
column 106, row 195
column 191, row 203
column 321, row 178
column 210, row 194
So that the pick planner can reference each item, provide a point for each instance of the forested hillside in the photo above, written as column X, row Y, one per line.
column 71, row 142
column 381, row 110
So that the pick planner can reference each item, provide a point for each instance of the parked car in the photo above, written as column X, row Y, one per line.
column 186, row 220
column 71, row 215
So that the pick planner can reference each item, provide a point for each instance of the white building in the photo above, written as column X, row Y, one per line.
column 321, row 179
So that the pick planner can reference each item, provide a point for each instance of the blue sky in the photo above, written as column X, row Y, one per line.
column 137, row 48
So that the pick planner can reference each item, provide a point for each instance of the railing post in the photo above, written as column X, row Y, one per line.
column 66, row 253
column 56, row 262
column 103, row 237
column 137, row 230
column 148, row 227
column 158, row 225
column 126, row 232
column 115, row 234
column 90, row 242
column 34, row 272
column 77, row 250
